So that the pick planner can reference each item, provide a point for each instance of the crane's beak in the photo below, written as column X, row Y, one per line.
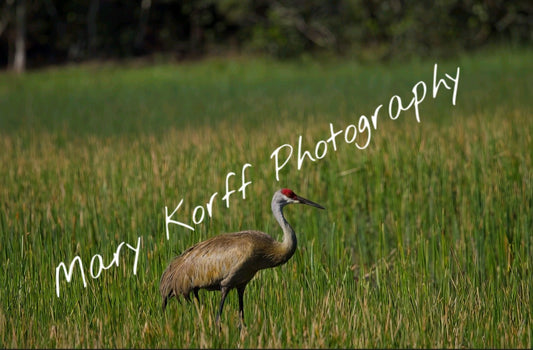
column 308, row 202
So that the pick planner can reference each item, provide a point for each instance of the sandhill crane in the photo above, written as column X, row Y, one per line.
column 231, row 260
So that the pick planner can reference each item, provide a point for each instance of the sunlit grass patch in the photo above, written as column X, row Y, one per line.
column 426, row 240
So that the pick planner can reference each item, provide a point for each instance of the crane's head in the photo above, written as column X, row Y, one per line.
column 286, row 196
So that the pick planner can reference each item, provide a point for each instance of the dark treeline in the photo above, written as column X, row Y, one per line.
column 40, row 32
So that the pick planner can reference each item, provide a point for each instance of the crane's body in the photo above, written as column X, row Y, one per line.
column 231, row 260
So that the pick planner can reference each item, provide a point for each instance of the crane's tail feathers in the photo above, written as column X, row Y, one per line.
column 165, row 299
column 175, row 282
column 164, row 306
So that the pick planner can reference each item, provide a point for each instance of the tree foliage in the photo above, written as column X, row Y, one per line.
column 61, row 31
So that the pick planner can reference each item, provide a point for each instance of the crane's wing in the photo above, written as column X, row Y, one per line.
column 231, row 259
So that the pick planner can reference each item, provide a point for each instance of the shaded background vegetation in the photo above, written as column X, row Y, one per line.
column 56, row 32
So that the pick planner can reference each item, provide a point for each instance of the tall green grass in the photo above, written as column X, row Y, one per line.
column 426, row 240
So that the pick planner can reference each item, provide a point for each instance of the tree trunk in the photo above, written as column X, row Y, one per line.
column 143, row 22
column 92, row 38
column 19, row 63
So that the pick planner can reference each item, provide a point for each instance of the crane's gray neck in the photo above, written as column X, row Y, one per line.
column 289, row 243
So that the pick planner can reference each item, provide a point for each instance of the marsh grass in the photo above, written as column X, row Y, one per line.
column 426, row 240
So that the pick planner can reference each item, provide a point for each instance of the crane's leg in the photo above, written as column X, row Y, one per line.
column 240, row 290
column 224, row 291
column 165, row 300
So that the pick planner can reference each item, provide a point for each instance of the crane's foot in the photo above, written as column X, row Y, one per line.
column 242, row 324
column 243, row 331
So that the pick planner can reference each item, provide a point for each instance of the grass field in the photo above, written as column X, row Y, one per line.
column 426, row 240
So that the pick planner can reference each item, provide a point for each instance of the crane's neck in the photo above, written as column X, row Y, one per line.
column 287, row 247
